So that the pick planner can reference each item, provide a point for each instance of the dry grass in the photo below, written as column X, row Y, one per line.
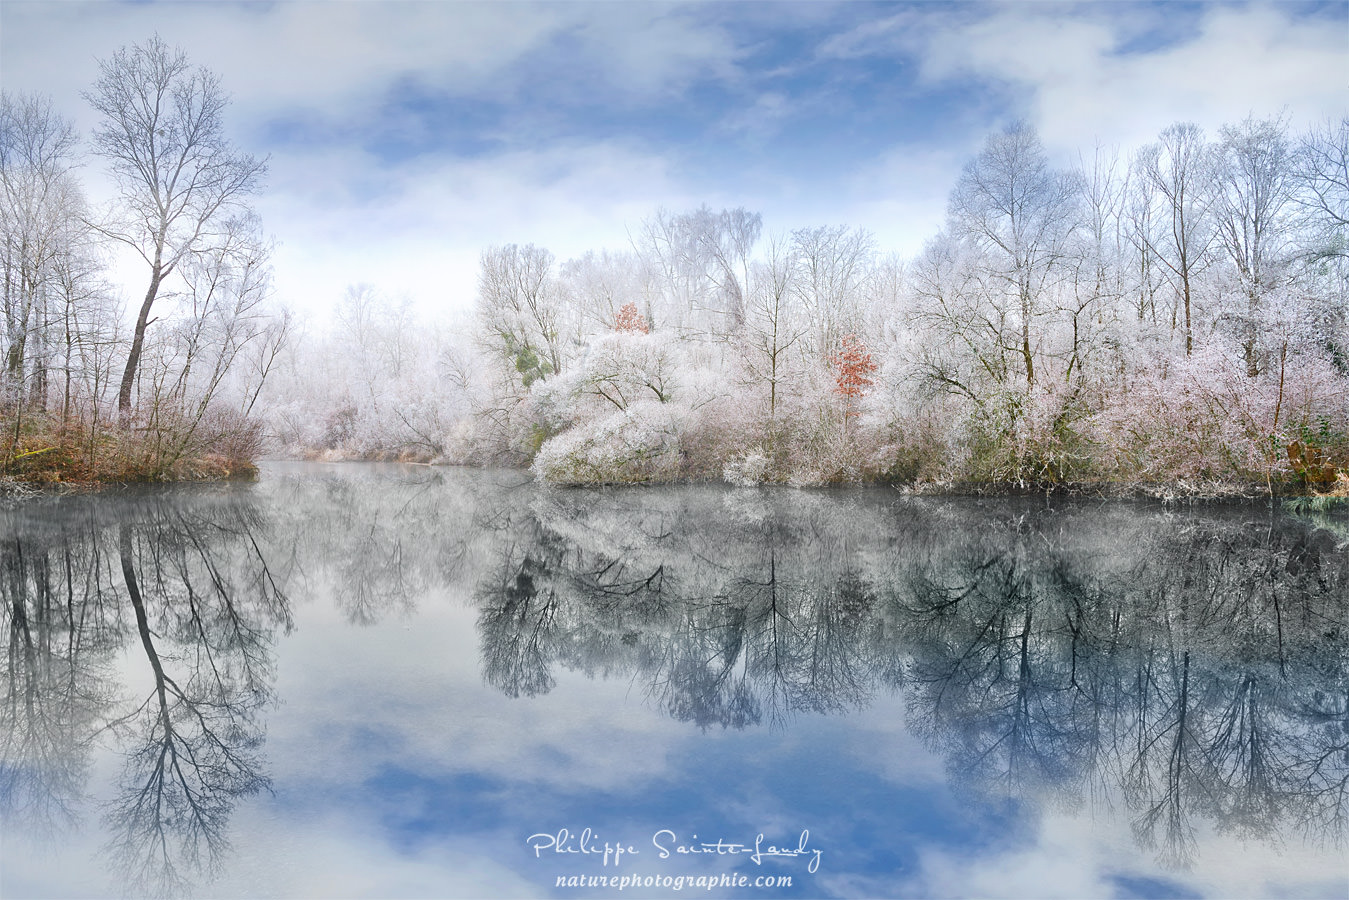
column 42, row 450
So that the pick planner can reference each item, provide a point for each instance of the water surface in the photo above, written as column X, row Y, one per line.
column 379, row 681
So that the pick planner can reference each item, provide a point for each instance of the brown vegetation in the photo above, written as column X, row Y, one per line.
column 46, row 450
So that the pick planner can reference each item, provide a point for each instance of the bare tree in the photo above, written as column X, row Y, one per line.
column 178, row 174
column 1321, row 169
column 596, row 285
column 1176, row 168
column 772, row 323
column 41, row 205
column 1139, row 217
column 1253, row 191
column 1019, row 213
column 970, row 348
column 834, row 265
column 1097, row 261
column 701, row 262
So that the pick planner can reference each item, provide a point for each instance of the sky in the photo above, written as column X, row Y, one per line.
column 404, row 138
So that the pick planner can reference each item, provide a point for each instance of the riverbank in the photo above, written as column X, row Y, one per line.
column 44, row 451
column 46, row 454
column 1287, row 485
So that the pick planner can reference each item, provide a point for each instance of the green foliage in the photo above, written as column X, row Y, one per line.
column 527, row 362
column 1028, row 441
column 1322, row 433
column 538, row 433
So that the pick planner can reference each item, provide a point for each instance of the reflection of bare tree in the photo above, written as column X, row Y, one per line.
column 989, row 687
column 184, row 580
column 1167, row 774
column 197, row 735
column 516, row 620
column 55, row 682
column 1168, row 680
column 727, row 628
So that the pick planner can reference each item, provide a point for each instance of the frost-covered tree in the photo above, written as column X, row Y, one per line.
column 1252, row 202
column 1176, row 172
column 774, row 325
column 520, row 310
column 1018, row 214
column 830, row 287
column 57, row 327
column 1321, row 170
column 178, row 175
column 700, row 263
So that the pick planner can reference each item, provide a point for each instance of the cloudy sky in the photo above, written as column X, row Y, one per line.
column 405, row 137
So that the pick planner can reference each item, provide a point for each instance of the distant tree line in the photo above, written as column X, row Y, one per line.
column 1174, row 315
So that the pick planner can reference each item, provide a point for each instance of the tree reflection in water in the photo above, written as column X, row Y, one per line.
column 185, row 588
column 1189, row 667
column 1189, row 670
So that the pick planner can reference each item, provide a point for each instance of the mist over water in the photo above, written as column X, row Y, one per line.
column 364, row 680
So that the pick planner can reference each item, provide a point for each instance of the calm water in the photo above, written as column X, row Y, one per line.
column 381, row 681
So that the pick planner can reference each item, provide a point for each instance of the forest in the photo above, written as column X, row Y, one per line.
column 1167, row 319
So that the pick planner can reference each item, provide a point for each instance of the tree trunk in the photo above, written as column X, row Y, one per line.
column 1189, row 333
column 133, row 359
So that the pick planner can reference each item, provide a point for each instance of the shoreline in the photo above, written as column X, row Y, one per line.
column 1181, row 491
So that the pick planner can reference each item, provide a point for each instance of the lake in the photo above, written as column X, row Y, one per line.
column 384, row 681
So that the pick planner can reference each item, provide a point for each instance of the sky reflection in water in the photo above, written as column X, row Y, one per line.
column 376, row 681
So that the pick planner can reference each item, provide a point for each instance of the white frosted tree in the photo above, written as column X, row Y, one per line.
column 1177, row 173
column 1252, row 204
column 179, row 177
column 1018, row 213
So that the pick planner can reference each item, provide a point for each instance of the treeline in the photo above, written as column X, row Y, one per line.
column 1171, row 316
column 82, row 396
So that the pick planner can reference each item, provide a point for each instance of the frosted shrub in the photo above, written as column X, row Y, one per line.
column 1205, row 418
column 748, row 469
column 1029, row 437
column 625, row 367
column 610, row 417
column 722, row 427
column 820, row 441
column 553, row 402
column 640, row 443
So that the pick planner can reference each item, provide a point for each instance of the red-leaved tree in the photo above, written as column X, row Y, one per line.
column 853, row 367
column 629, row 319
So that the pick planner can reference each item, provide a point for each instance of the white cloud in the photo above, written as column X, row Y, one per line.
column 338, row 59
column 419, row 229
column 1242, row 61
column 343, row 856
column 902, row 195
column 654, row 49
column 1074, row 855
column 439, row 724
column 416, row 227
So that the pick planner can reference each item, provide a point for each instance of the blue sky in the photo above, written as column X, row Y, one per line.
column 405, row 137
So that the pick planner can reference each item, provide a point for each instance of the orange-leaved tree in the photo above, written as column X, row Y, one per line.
column 629, row 319
column 853, row 368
